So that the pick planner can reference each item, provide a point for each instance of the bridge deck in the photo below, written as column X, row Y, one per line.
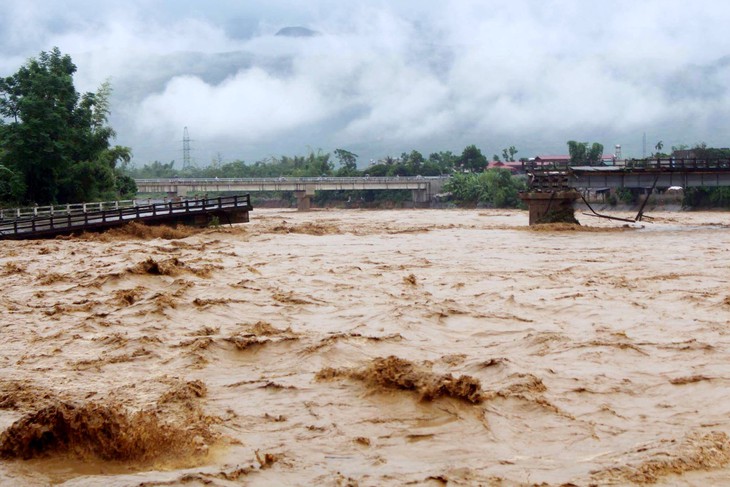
column 631, row 174
column 425, row 187
column 30, row 227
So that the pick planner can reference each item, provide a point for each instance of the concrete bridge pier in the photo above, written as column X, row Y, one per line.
column 420, row 197
column 551, row 207
column 182, row 190
column 304, row 199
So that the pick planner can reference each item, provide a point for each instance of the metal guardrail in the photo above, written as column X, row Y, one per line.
column 378, row 179
column 678, row 164
column 28, row 213
column 38, row 211
column 670, row 163
column 70, row 222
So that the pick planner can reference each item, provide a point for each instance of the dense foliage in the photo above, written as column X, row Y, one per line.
column 472, row 160
column 313, row 165
column 495, row 188
column 707, row 198
column 582, row 153
column 55, row 142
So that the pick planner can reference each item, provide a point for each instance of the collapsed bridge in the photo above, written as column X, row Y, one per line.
column 554, row 187
column 88, row 217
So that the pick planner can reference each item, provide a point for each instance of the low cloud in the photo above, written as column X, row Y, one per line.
column 250, row 105
column 424, row 75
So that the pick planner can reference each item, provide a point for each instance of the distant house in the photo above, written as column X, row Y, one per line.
column 495, row 165
column 608, row 159
column 513, row 167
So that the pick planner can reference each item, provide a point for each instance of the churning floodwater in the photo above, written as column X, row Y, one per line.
column 347, row 347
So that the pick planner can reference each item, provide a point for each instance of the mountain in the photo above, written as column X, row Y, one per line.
column 297, row 32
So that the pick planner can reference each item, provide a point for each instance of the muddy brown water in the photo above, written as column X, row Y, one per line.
column 370, row 348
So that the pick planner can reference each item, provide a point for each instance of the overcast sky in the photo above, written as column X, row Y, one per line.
column 385, row 77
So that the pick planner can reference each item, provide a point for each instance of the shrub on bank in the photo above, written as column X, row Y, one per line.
column 706, row 198
column 496, row 188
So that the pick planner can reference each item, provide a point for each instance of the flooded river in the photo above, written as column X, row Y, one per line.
column 337, row 347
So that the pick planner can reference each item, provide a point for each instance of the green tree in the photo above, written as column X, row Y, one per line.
column 444, row 161
column 347, row 160
column 704, row 197
column 155, row 169
column 9, row 184
column 502, row 189
column 348, row 163
column 54, row 140
column 495, row 188
column 472, row 159
column 413, row 162
column 318, row 164
column 701, row 151
column 582, row 154
column 378, row 170
column 594, row 154
column 577, row 151
column 509, row 154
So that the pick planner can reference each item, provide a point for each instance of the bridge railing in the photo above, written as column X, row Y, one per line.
column 30, row 212
column 670, row 163
column 40, row 211
column 213, row 181
column 677, row 164
column 100, row 217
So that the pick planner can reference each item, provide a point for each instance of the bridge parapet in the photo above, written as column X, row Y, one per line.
column 424, row 188
column 66, row 209
column 662, row 163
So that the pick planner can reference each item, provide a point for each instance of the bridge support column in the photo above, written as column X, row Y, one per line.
column 551, row 207
column 183, row 190
column 419, row 197
column 304, row 199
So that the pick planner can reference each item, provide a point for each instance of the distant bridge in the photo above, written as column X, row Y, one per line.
column 422, row 188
